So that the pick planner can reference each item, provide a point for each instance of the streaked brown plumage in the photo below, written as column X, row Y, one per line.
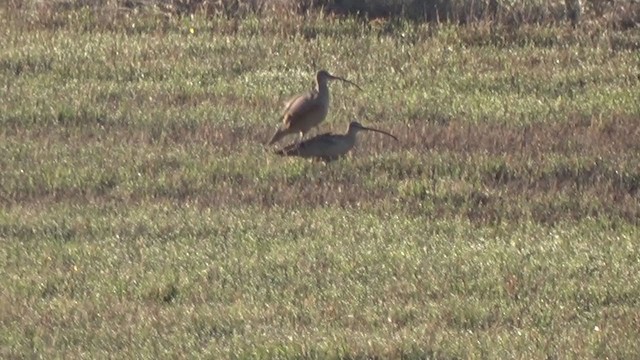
column 308, row 110
column 328, row 147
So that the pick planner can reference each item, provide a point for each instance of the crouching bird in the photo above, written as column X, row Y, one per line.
column 328, row 147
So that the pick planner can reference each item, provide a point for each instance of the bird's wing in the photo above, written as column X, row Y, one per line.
column 288, row 103
column 316, row 146
column 326, row 139
column 299, row 106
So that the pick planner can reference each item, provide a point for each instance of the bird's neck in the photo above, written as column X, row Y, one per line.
column 351, row 133
column 323, row 88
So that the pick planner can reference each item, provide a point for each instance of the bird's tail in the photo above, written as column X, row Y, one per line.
column 289, row 150
column 279, row 134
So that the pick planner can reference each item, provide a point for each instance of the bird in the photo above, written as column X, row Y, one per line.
column 573, row 10
column 306, row 111
column 328, row 147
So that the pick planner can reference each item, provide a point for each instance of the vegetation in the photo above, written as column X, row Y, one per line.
column 142, row 214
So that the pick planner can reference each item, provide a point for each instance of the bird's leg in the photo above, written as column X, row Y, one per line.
column 301, row 137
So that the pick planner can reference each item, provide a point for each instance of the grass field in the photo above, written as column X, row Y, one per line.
column 143, row 216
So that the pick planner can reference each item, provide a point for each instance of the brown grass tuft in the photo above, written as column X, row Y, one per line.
column 618, row 15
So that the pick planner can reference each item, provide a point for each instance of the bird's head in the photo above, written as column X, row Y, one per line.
column 355, row 126
column 323, row 76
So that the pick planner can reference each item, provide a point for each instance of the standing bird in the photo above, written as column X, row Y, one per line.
column 308, row 110
column 573, row 10
column 328, row 147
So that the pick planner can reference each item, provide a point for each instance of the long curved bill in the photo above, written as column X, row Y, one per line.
column 345, row 80
column 379, row 131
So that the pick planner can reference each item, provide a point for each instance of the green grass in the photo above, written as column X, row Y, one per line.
column 143, row 216
column 156, row 278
